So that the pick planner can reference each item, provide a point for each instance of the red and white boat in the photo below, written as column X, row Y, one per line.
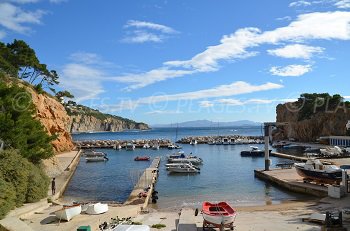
column 142, row 158
column 219, row 215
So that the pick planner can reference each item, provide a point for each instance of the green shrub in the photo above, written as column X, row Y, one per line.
column 14, row 169
column 158, row 226
column 29, row 182
column 38, row 184
column 7, row 197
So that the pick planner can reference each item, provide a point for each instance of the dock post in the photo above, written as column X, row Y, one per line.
column 267, row 140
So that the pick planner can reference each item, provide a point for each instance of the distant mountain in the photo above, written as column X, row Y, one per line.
column 208, row 123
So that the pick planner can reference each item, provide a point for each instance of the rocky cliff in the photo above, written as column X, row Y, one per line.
column 86, row 123
column 321, row 123
column 55, row 119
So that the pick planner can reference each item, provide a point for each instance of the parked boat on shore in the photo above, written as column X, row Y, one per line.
column 94, row 209
column 220, row 215
column 315, row 170
column 68, row 212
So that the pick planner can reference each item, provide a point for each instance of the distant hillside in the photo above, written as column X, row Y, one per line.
column 208, row 123
column 85, row 119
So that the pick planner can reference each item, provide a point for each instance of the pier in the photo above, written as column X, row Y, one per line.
column 147, row 180
column 121, row 144
column 290, row 180
column 227, row 139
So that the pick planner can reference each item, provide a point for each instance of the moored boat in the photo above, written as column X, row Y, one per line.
column 220, row 214
column 314, row 170
column 68, row 212
column 253, row 152
column 183, row 168
column 130, row 147
column 142, row 158
column 96, row 159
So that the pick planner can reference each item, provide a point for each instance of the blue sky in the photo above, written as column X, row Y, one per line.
column 172, row 61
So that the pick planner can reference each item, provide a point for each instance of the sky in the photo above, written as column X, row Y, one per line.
column 163, row 61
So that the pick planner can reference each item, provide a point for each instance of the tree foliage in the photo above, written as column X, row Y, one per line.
column 311, row 104
column 59, row 95
column 20, row 60
column 18, row 128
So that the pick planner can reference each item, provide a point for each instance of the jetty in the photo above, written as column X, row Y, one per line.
column 290, row 180
column 145, row 187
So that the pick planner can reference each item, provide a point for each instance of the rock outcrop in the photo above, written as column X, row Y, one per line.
column 86, row 123
column 325, row 123
column 55, row 119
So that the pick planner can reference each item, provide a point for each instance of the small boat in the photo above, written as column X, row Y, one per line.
column 172, row 165
column 146, row 146
column 192, row 159
column 92, row 153
column 314, row 170
column 220, row 214
column 142, row 158
column 68, row 212
column 130, row 147
column 155, row 147
column 193, row 142
column 183, row 168
column 335, row 151
column 225, row 141
column 97, row 208
column 254, row 152
column 96, row 159
column 171, row 146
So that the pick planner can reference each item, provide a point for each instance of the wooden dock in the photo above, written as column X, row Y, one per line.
column 147, row 180
column 289, row 179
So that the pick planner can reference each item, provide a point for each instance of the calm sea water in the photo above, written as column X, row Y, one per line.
column 225, row 175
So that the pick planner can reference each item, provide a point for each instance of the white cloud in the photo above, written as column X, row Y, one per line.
column 238, row 102
column 162, row 112
column 83, row 81
column 58, row 1
column 141, row 32
column 343, row 4
column 150, row 25
column 296, row 51
column 285, row 18
column 147, row 78
column 307, row 27
column 15, row 19
column 235, row 88
column 291, row 70
column 89, row 59
column 206, row 103
column 22, row 1
column 299, row 3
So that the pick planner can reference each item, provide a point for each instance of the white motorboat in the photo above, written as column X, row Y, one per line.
column 97, row 208
column 96, row 159
column 193, row 142
column 171, row 146
column 315, row 170
column 183, row 168
column 225, row 141
column 192, row 159
column 92, row 153
column 155, row 147
column 335, row 151
column 130, row 147
column 117, row 147
column 68, row 212
column 146, row 146
column 173, row 165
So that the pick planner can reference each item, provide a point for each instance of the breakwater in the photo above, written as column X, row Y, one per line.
column 228, row 139
column 166, row 143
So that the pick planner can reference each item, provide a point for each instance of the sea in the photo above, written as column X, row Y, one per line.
column 224, row 175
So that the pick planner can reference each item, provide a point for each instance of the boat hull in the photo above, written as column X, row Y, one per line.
column 323, row 177
column 218, row 214
column 182, row 170
column 98, row 208
column 259, row 153
column 67, row 213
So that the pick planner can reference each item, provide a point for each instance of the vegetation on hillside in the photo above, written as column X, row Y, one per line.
column 311, row 104
column 73, row 108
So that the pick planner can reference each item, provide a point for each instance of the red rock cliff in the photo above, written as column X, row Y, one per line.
column 54, row 118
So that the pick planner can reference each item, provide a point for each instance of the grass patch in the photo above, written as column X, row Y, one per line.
column 158, row 226
column 136, row 223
